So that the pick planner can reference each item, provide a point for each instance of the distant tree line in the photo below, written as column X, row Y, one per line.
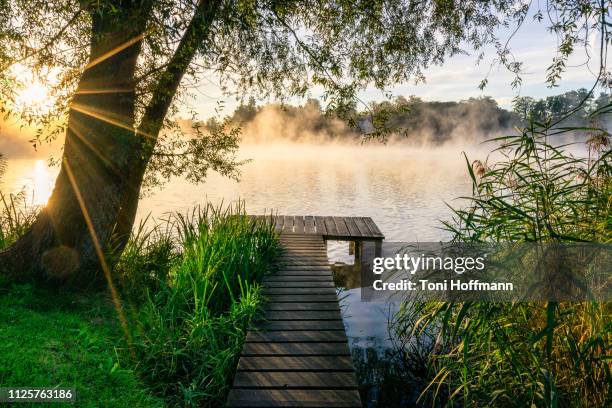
column 553, row 108
column 413, row 119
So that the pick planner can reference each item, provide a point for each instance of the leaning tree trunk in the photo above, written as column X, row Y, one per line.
column 73, row 232
column 92, row 209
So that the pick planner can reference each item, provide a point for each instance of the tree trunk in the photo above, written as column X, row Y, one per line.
column 72, row 234
column 93, row 206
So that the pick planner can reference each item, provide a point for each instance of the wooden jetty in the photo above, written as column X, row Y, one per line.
column 298, row 356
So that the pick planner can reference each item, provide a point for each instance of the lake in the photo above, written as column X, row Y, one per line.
column 403, row 189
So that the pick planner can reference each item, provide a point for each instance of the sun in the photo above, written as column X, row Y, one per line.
column 31, row 94
column 33, row 97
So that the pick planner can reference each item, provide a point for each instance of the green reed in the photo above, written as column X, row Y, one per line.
column 193, row 281
column 16, row 216
column 525, row 354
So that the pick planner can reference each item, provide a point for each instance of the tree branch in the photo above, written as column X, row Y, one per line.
column 195, row 34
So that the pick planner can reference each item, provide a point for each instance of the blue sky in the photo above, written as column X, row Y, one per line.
column 458, row 78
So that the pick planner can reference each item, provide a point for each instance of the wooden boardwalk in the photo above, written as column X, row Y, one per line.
column 298, row 356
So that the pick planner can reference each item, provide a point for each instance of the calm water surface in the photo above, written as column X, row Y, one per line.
column 403, row 189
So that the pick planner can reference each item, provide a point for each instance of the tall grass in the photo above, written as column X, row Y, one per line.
column 15, row 215
column 194, row 283
column 525, row 354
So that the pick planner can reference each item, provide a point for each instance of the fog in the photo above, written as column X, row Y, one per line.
column 413, row 122
column 15, row 142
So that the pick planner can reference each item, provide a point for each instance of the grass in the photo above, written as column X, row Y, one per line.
column 189, row 288
column 549, row 354
column 54, row 339
column 191, row 307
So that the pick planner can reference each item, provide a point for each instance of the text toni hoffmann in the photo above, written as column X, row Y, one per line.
column 413, row 264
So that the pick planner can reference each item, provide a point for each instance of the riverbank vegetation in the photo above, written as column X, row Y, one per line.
column 409, row 119
column 525, row 354
column 187, row 289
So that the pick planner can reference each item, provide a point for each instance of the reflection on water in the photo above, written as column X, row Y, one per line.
column 402, row 189
column 32, row 177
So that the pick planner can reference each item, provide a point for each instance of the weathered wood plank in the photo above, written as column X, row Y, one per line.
column 300, row 284
column 302, row 315
column 373, row 227
column 299, row 291
column 284, row 263
column 299, row 278
column 286, row 325
column 298, row 224
column 301, row 380
column 352, row 227
column 302, row 298
column 290, row 363
column 303, row 257
column 330, row 225
column 295, row 349
column 304, row 272
column 320, row 225
column 282, row 306
column 364, row 230
column 340, row 226
column 296, row 336
column 309, row 224
column 288, row 223
column 294, row 398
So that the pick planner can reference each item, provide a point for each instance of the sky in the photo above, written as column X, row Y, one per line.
column 458, row 78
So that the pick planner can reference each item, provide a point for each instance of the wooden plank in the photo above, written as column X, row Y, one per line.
column 341, row 226
column 373, row 227
column 301, row 380
column 303, row 315
column 301, row 237
column 305, row 248
column 300, row 336
column 364, row 230
column 330, row 225
column 288, row 223
column 288, row 262
column 300, row 284
column 320, row 225
column 308, row 244
column 279, row 223
column 304, row 272
column 295, row 349
column 303, row 257
column 302, row 298
column 284, row 325
column 309, row 224
column 299, row 278
column 305, row 268
column 288, row 363
column 352, row 227
column 299, row 291
column 298, row 224
column 281, row 306
column 293, row 398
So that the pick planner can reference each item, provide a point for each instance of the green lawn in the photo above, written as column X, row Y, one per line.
column 54, row 339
